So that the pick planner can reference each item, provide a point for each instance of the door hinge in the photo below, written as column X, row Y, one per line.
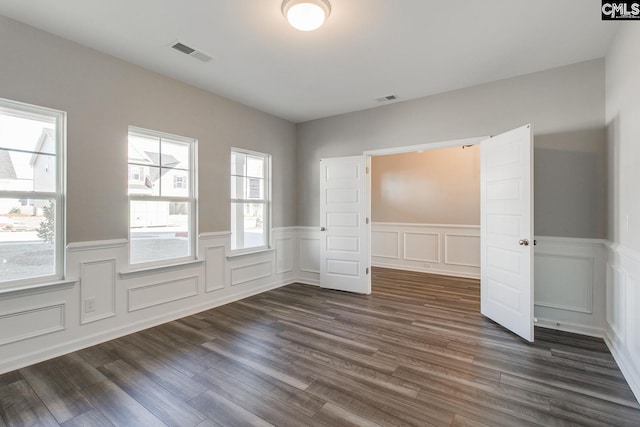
column 367, row 271
column 366, row 220
column 366, row 169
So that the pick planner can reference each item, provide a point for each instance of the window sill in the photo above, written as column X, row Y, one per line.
column 242, row 253
column 158, row 268
column 38, row 287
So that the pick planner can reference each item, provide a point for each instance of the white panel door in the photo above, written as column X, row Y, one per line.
column 506, row 228
column 344, row 246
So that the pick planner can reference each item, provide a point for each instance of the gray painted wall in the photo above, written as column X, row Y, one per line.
column 564, row 105
column 432, row 187
column 623, row 129
column 103, row 96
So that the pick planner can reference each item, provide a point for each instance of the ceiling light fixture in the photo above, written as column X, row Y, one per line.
column 306, row 15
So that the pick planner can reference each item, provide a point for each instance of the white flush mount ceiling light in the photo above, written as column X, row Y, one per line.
column 306, row 15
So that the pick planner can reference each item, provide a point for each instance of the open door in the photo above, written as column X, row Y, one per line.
column 344, row 246
column 506, row 230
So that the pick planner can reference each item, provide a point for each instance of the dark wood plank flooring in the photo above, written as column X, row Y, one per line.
column 414, row 353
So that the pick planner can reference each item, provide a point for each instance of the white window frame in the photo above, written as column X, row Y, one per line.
column 192, row 199
column 60, row 117
column 266, row 202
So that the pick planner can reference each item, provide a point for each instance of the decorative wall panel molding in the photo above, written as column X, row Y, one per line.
column 447, row 249
column 616, row 305
column 310, row 254
column 462, row 250
column 385, row 244
column 97, row 290
column 570, row 276
column 623, row 313
column 421, row 246
column 153, row 294
column 215, row 269
column 31, row 323
column 250, row 272
column 565, row 282
column 285, row 254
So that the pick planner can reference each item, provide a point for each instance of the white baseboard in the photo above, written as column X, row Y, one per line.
column 570, row 327
column 630, row 370
column 308, row 282
column 428, row 270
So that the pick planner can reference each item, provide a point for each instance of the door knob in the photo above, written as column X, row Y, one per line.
column 524, row 242
column 323, row 229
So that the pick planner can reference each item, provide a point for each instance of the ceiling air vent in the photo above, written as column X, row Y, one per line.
column 387, row 98
column 194, row 53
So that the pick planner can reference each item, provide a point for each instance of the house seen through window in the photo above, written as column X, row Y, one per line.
column 31, row 193
column 161, row 197
column 250, row 189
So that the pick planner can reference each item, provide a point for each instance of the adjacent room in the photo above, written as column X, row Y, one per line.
column 319, row 212
column 425, row 211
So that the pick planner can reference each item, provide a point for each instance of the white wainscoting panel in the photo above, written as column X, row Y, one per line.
column 308, row 249
column 310, row 255
column 153, row 294
column 420, row 246
column 250, row 272
column 623, row 312
column 215, row 270
column 452, row 250
column 565, row 282
column 385, row 244
column 569, row 286
column 633, row 310
column 97, row 284
column 31, row 323
column 462, row 250
column 616, row 306
column 285, row 254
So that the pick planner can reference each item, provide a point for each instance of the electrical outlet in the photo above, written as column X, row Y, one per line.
column 89, row 305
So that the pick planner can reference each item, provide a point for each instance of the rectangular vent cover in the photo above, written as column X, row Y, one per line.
column 194, row 53
column 387, row 98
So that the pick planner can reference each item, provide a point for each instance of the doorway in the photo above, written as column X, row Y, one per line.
column 425, row 211
column 506, row 187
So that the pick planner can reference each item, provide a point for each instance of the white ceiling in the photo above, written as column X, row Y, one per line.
column 366, row 49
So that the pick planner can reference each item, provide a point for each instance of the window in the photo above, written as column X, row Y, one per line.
column 31, row 193
column 162, row 201
column 250, row 208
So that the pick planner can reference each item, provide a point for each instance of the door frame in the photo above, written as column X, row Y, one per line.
column 368, row 154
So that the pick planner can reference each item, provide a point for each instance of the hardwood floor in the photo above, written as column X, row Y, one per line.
column 414, row 353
